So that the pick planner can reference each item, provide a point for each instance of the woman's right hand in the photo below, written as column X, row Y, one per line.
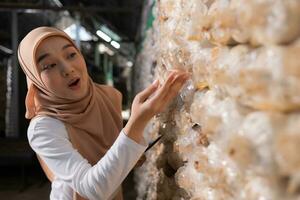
column 151, row 101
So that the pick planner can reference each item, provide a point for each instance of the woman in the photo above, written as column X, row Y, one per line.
column 76, row 126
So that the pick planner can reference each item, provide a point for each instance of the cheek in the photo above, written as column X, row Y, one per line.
column 52, row 82
column 82, row 65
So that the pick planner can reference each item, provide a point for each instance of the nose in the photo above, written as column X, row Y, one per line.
column 66, row 69
column 67, row 72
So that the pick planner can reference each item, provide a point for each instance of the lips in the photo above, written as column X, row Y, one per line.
column 74, row 82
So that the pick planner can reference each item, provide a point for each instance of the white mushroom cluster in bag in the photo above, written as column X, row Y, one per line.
column 233, row 132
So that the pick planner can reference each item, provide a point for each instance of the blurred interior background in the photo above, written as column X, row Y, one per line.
column 108, row 33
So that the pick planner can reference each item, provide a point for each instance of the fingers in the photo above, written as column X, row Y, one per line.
column 175, row 88
column 161, row 95
column 145, row 94
column 164, row 88
column 174, row 80
column 161, row 92
column 148, row 91
column 172, row 91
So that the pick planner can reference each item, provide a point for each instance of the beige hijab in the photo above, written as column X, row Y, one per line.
column 93, row 122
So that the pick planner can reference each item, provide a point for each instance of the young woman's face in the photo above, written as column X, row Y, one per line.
column 62, row 68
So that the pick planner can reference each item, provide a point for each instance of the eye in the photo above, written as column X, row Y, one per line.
column 48, row 66
column 72, row 55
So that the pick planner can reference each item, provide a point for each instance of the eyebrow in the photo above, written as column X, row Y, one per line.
column 43, row 56
column 66, row 46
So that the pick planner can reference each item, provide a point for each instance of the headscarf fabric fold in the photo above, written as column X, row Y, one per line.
column 93, row 122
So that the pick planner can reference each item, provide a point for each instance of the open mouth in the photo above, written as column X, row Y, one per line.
column 74, row 82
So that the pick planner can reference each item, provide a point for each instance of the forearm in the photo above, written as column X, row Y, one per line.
column 102, row 179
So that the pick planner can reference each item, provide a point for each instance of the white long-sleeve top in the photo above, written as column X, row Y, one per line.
column 48, row 137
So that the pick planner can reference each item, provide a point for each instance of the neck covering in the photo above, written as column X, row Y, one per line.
column 93, row 122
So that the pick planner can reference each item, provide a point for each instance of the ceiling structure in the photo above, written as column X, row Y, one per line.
column 121, row 17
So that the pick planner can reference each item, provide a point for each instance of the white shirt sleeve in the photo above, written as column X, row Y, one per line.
column 49, row 139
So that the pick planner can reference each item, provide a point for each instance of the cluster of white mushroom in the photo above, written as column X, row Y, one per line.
column 234, row 130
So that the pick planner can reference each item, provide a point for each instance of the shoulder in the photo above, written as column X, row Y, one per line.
column 111, row 91
column 47, row 127
column 114, row 95
column 46, row 122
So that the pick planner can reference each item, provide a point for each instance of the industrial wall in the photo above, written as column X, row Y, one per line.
column 234, row 130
